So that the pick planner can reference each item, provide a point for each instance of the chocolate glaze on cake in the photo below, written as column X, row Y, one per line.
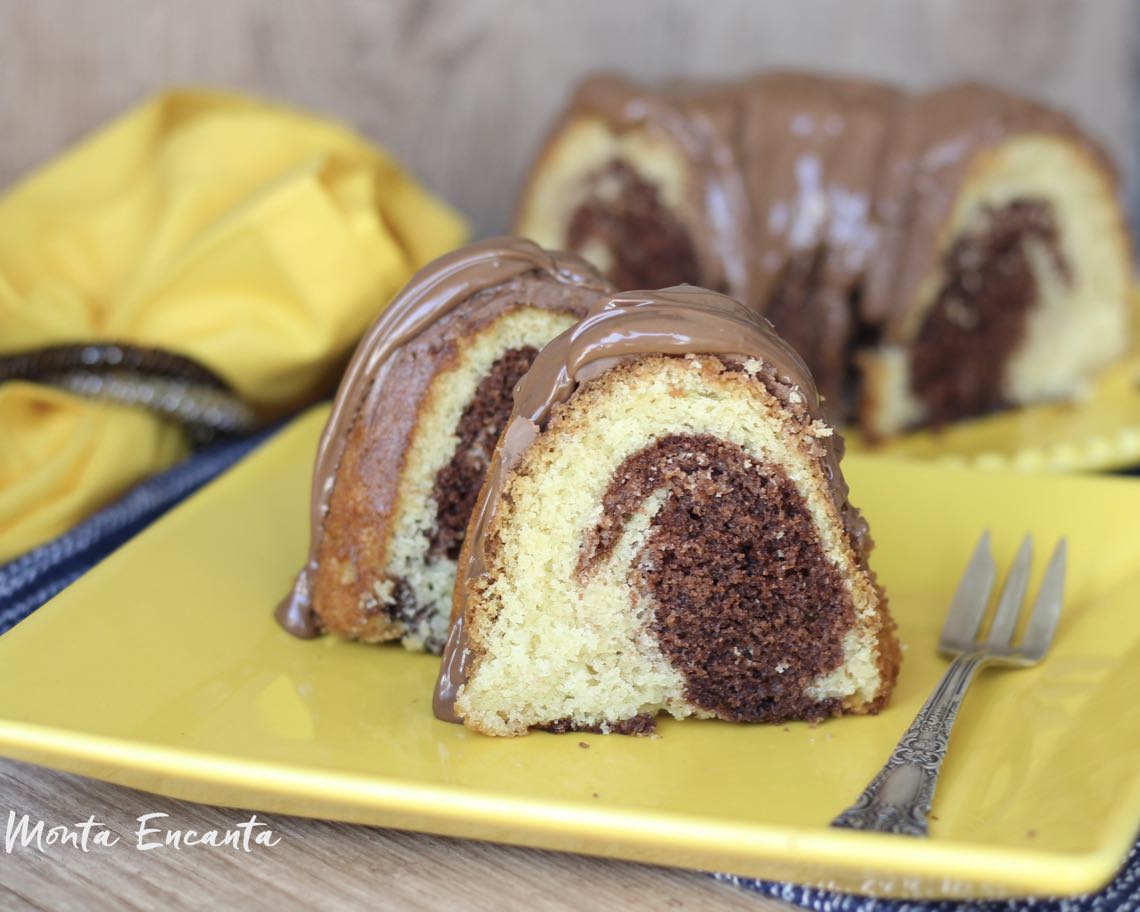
column 675, row 321
column 819, row 201
column 489, row 277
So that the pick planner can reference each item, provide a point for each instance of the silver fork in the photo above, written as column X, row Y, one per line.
column 899, row 797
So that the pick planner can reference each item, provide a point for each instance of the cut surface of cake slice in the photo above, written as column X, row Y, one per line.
column 411, row 434
column 665, row 527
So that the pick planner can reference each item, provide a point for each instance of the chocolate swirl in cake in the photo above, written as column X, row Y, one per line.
column 674, row 321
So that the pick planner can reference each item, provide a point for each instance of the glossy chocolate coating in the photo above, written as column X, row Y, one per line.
column 857, row 174
column 436, row 290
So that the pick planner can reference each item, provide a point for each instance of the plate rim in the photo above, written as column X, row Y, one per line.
column 985, row 871
column 963, row 869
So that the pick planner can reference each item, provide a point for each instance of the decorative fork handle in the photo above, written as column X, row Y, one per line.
column 899, row 797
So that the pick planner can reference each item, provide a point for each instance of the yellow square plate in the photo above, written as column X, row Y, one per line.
column 1100, row 431
column 163, row 670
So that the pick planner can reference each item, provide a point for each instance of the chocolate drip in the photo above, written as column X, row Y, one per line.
column 453, row 669
column 434, row 291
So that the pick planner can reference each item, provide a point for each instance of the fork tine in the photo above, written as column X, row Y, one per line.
column 1012, row 595
column 1047, row 610
column 971, row 598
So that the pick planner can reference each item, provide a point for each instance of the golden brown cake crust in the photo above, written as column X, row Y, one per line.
column 622, row 343
column 731, row 697
column 361, row 508
column 363, row 451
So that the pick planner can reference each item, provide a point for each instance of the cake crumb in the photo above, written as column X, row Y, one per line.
column 1031, row 833
column 583, row 744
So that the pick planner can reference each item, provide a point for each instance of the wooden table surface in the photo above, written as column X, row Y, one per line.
column 316, row 864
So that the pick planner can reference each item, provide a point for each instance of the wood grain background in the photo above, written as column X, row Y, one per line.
column 462, row 90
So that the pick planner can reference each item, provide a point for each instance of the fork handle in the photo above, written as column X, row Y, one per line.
column 898, row 798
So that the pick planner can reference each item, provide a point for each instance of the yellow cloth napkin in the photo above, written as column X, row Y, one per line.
column 255, row 239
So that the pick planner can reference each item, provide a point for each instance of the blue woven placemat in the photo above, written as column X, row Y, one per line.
column 32, row 579
column 1122, row 895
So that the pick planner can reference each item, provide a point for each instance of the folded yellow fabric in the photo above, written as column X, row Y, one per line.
column 255, row 239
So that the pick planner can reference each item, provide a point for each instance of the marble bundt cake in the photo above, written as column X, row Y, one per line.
column 932, row 257
column 665, row 527
column 411, row 433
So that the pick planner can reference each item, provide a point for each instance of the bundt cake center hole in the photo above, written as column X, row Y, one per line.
column 981, row 312
column 484, row 417
column 865, row 335
column 643, row 240
column 815, row 316
column 747, row 606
